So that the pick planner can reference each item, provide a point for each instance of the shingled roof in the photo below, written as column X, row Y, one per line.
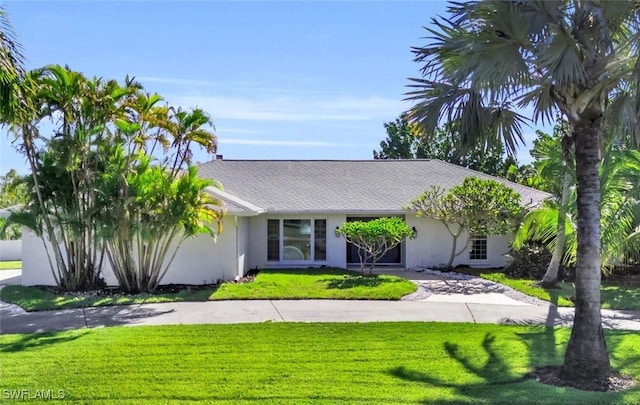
column 347, row 186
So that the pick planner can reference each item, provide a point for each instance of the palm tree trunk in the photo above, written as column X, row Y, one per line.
column 551, row 276
column 586, row 358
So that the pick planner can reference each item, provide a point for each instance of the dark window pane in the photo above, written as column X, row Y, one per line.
column 296, row 239
column 320, row 235
column 273, row 240
column 478, row 249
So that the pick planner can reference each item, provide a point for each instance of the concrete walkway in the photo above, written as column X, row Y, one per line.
column 223, row 312
column 487, row 307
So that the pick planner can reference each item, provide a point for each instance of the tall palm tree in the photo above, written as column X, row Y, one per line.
column 620, row 212
column 490, row 59
column 11, row 68
column 554, row 159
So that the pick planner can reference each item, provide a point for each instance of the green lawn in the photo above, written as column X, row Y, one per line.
column 37, row 299
column 10, row 264
column 323, row 283
column 612, row 296
column 273, row 363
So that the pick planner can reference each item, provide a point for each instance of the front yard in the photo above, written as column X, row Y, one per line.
column 312, row 283
column 619, row 295
column 10, row 264
column 324, row 283
column 391, row 363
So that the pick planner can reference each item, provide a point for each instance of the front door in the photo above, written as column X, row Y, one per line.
column 392, row 257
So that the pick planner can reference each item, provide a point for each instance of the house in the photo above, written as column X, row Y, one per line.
column 284, row 213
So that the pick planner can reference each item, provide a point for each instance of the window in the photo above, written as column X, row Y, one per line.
column 320, row 236
column 478, row 247
column 273, row 240
column 296, row 240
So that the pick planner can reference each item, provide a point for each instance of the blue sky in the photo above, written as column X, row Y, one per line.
column 281, row 80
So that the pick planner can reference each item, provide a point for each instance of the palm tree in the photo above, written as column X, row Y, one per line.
column 490, row 59
column 11, row 69
column 620, row 210
column 66, row 167
column 157, row 199
column 554, row 160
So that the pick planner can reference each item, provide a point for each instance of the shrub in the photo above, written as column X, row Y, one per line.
column 530, row 262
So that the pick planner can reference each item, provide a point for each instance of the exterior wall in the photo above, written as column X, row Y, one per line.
column 35, row 266
column 336, row 246
column 203, row 260
column 200, row 260
column 432, row 246
column 243, row 245
column 10, row 249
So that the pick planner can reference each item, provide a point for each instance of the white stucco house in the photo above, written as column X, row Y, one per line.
column 283, row 213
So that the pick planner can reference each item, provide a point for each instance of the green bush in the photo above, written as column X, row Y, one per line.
column 530, row 262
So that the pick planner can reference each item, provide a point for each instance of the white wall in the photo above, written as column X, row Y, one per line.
column 199, row 260
column 10, row 249
column 35, row 266
column 243, row 245
column 432, row 247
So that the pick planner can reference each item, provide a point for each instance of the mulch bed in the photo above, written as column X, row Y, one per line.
column 549, row 375
column 115, row 291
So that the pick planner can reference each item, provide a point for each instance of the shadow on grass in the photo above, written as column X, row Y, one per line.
column 620, row 297
column 493, row 372
column 38, row 340
column 355, row 281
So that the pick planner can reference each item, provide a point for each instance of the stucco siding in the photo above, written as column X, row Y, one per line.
column 203, row 260
column 35, row 266
column 200, row 260
column 433, row 243
column 243, row 245
column 10, row 249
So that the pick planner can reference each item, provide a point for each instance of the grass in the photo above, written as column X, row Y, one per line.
column 276, row 363
column 10, row 264
column 613, row 296
column 323, row 283
column 38, row 299
column 327, row 283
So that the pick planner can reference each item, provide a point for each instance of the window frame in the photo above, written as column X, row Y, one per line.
column 312, row 241
column 472, row 255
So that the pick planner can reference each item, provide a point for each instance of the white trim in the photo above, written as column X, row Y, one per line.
column 251, row 208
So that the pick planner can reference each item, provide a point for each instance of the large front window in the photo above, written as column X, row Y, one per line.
column 297, row 240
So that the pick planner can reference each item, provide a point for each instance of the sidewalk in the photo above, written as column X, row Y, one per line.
column 224, row 312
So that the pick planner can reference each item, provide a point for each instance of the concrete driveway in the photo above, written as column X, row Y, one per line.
column 10, row 277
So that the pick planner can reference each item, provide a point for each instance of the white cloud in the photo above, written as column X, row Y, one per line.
column 237, row 131
column 269, row 142
column 295, row 108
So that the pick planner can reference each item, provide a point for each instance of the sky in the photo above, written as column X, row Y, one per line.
column 281, row 80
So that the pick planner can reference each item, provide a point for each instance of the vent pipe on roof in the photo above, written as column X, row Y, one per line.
column 219, row 157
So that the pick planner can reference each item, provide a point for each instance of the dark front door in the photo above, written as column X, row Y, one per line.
column 393, row 256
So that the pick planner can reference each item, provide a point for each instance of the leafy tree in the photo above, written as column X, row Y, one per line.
column 577, row 59
column 404, row 141
column 619, row 175
column 477, row 207
column 13, row 193
column 374, row 238
column 100, row 189
column 156, row 207
column 64, row 200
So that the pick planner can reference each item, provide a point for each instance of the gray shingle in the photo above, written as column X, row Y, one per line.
column 341, row 185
